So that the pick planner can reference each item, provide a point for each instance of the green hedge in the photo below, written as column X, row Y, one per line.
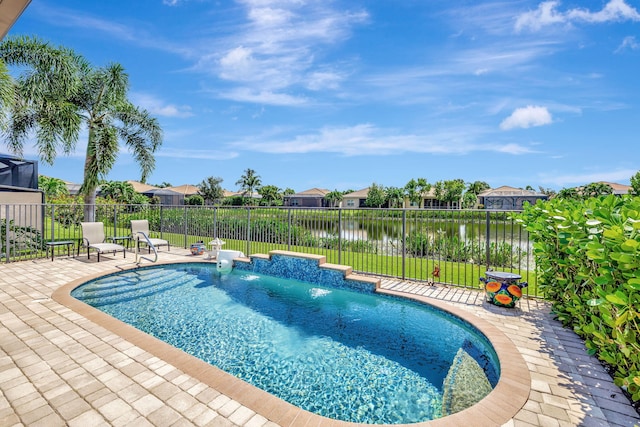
column 588, row 255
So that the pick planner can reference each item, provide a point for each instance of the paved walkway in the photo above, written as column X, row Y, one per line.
column 58, row 368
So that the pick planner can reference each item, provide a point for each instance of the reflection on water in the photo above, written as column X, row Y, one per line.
column 392, row 230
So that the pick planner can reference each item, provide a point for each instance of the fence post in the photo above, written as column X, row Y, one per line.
column 404, row 242
column 339, row 235
column 248, row 230
column 289, row 229
column 53, row 214
column 115, row 220
column 185, row 227
column 215, row 222
column 487, row 239
column 6, row 235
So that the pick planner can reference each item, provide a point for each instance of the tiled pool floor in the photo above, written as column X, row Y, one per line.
column 58, row 368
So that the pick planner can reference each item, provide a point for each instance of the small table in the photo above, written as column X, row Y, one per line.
column 116, row 239
column 52, row 246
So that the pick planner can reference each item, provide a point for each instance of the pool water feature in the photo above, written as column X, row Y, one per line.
column 347, row 355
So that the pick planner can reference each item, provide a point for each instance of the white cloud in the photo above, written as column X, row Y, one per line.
column 544, row 15
column 135, row 35
column 237, row 64
column 620, row 176
column 615, row 10
column 277, row 46
column 320, row 80
column 181, row 153
column 547, row 13
column 527, row 117
column 369, row 140
column 158, row 107
column 269, row 17
column 245, row 94
column 514, row 149
column 628, row 42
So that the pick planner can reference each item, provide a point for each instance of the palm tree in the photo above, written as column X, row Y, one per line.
column 334, row 198
column 411, row 189
column 478, row 187
column 395, row 197
column 56, row 107
column 6, row 93
column 271, row 195
column 423, row 187
column 248, row 182
column 118, row 191
column 41, row 97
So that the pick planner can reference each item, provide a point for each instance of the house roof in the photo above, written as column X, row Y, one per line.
column 186, row 189
column 360, row 194
column 312, row 192
column 140, row 187
column 506, row 191
column 617, row 188
column 10, row 11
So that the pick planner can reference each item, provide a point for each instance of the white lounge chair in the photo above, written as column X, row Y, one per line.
column 93, row 238
column 142, row 225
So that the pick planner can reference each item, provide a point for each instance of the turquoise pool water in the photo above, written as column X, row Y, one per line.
column 346, row 355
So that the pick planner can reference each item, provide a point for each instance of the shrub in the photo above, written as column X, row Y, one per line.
column 194, row 200
column 588, row 258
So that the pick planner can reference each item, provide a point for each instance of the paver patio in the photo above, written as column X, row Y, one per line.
column 58, row 368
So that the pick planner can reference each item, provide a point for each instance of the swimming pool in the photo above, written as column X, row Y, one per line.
column 342, row 354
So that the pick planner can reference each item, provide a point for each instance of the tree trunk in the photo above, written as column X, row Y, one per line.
column 90, row 206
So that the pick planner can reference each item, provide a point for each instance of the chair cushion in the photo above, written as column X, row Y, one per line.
column 107, row 247
column 157, row 242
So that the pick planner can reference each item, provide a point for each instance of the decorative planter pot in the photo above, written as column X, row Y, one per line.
column 503, row 289
column 197, row 249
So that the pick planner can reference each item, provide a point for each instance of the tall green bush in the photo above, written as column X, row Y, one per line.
column 588, row 258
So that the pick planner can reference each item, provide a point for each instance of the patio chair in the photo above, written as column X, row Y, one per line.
column 93, row 238
column 142, row 225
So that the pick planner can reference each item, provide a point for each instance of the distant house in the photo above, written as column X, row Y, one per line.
column 431, row 202
column 355, row 199
column 618, row 189
column 508, row 198
column 166, row 196
column 312, row 198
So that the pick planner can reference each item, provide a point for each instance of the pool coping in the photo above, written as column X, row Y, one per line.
column 498, row 407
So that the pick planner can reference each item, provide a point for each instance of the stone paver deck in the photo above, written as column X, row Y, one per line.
column 58, row 368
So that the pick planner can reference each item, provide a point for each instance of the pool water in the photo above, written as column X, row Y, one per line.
column 345, row 355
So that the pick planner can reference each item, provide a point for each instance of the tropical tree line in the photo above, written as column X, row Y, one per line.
column 450, row 193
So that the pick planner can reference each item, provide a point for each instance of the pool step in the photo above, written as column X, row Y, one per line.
column 129, row 280
column 127, row 290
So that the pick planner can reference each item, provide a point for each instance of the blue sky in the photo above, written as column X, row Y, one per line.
column 340, row 94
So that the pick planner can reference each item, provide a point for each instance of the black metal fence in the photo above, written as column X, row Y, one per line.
column 453, row 247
